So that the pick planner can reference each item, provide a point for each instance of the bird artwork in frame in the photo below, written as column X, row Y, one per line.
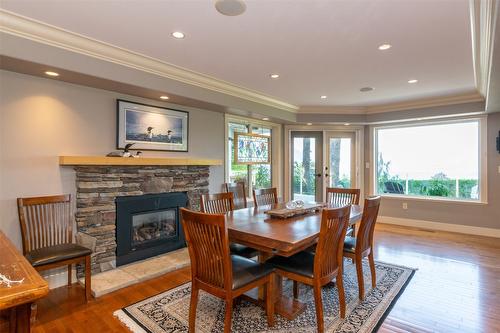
column 151, row 127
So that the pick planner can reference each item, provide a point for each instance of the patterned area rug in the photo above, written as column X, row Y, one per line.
column 168, row 311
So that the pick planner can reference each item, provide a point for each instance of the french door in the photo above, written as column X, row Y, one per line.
column 340, row 166
column 306, row 165
column 321, row 159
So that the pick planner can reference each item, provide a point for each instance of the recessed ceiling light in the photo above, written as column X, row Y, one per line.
column 274, row 76
column 413, row 81
column 49, row 73
column 230, row 7
column 178, row 34
column 384, row 47
column 323, row 97
column 365, row 89
column 347, row 124
column 265, row 118
column 309, row 124
column 164, row 97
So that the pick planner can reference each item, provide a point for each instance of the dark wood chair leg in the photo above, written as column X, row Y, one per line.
column 270, row 301
column 359, row 273
column 88, row 286
column 295, row 290
column 227, row 317
column 192, row 309
column 69, row 275
column 318, row 303
column 371, row 260
column 340, row 288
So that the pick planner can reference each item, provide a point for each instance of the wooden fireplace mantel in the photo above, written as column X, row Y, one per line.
column 103, row 160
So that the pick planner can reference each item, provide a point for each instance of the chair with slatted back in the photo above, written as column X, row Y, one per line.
column 361, row 246
column 221, row 203
column 239, row 194
column 265, row 196
column 343, row 196
column 320, row 268
column 218, row 203
column 47, row 235
column 216, row 271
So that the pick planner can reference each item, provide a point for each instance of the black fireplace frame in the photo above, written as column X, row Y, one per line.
column 128, row 206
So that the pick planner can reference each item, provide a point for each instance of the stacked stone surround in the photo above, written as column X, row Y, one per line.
column 98, row 186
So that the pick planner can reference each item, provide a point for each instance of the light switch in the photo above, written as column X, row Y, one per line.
column 367, row 165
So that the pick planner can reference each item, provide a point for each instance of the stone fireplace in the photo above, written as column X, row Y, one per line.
column 99, row 186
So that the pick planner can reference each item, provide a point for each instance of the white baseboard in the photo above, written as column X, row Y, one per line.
column 422, row 224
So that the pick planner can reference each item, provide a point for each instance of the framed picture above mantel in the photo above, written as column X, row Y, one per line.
column 252, row 148
column 151, row 127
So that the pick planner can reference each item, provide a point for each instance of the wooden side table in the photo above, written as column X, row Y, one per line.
column 19, row 296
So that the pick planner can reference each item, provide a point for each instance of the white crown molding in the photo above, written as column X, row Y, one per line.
column 408, row 105
column 40, row 32
column 427, row 103
column 482, row 16
column 332, row 109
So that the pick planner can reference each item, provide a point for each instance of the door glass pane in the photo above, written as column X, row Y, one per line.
column 261, row 175
column 340, row 162
column 304, row 157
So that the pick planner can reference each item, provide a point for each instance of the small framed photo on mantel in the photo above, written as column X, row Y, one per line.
column 151, row 127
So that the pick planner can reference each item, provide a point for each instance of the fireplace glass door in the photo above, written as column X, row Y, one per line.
column 152, row 226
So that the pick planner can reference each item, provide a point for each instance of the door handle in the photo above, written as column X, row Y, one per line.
column 318, row 175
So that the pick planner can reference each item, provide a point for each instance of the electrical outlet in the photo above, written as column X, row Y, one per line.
column 405, row 205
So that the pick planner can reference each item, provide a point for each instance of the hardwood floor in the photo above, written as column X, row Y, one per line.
column 456, row 289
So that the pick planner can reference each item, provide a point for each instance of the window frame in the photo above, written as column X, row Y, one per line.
column 482, row 162
column 276, row 155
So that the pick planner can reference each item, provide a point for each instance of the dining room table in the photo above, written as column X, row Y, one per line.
column 20, row 286
column 272, row 236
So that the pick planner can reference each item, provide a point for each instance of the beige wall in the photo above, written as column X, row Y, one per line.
column 41, row 119
column 468, row 214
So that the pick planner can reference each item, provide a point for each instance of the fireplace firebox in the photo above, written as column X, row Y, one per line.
column 148, row 225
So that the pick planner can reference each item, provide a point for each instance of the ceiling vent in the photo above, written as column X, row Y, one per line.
column 230, row 7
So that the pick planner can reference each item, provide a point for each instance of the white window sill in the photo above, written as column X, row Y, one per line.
column 432, row 199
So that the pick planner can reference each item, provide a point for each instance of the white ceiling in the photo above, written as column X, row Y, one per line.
column 318, row 47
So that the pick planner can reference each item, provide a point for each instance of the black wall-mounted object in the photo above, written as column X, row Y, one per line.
column 498, row 142
column 128, row 207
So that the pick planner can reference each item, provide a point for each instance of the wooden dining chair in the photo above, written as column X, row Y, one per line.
column 361, row 246
column 339, row 197
column 239, row 194
column 216, row 271
column 265, row 196
column 47, row 235
column 320, row 268
column 221, row 203
column 218, row 203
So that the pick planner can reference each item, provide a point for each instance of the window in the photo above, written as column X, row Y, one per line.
column 256, row 175
column 429, row 160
